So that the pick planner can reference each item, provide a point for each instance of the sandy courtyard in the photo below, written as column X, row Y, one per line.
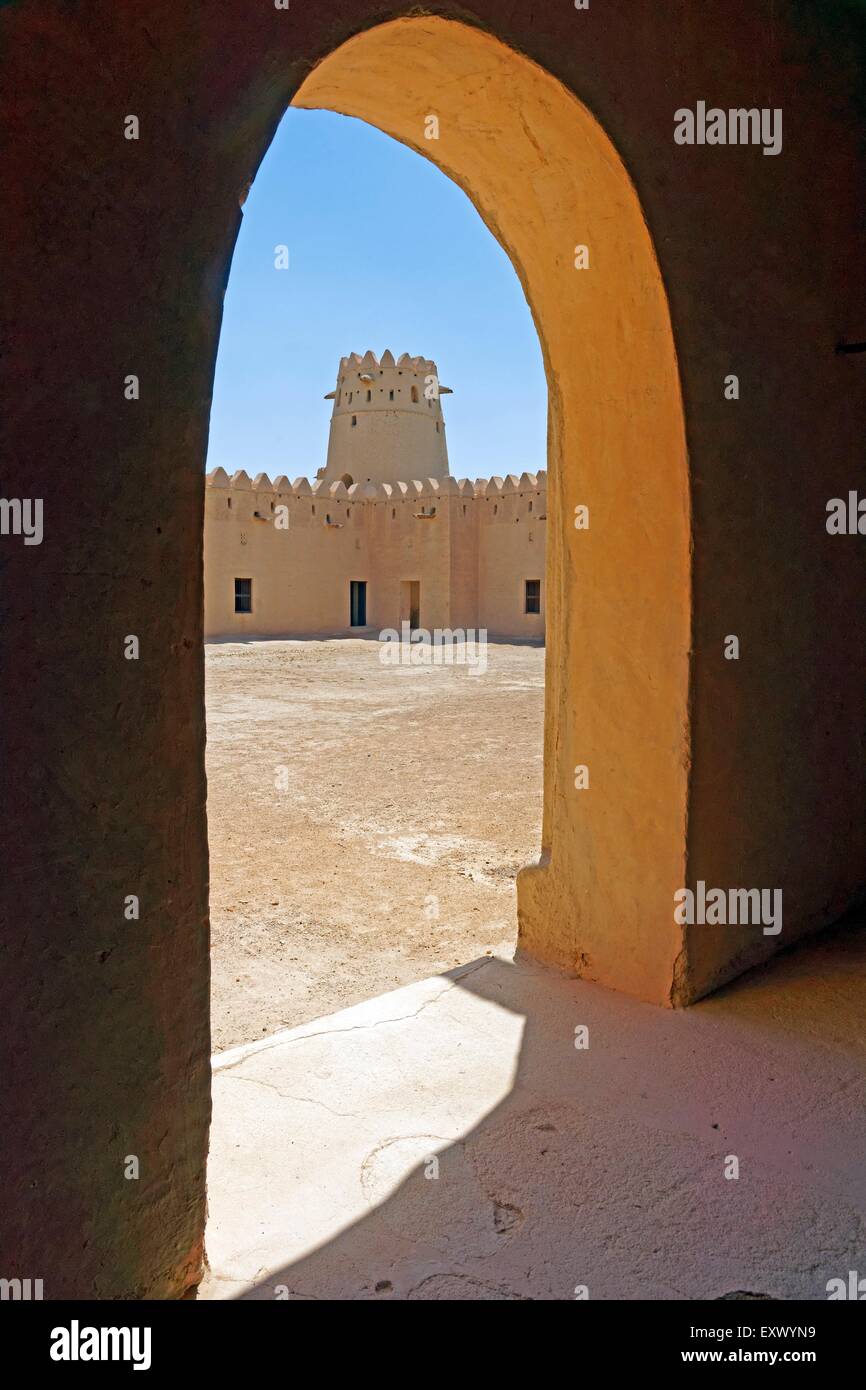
column 412, row 797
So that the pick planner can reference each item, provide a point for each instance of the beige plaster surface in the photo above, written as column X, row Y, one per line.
column 413, row 797
column 557, row 1167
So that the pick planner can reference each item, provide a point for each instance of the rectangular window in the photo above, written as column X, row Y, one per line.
column 533, row 596
column 243, row 596
column 358, row 602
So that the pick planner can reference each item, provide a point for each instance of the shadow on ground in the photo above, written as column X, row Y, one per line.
column 450, row 1141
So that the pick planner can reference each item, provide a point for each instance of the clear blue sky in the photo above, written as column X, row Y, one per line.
column 385, row 251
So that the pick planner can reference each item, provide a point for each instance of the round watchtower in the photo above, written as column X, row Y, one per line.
column 387, row 421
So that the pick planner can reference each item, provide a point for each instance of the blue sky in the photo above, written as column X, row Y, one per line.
column 385, row 251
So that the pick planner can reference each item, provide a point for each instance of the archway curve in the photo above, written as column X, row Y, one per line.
column 546, row 179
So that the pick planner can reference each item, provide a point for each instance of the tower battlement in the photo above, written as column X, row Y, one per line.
column 371, row 363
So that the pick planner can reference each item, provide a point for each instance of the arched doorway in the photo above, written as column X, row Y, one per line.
column 555, row 193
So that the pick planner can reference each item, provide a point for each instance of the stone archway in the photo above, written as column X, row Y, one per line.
column 555, row 193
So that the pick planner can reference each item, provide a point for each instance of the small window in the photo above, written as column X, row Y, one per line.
column 415, row 393
column 437, row 426
column 495, row 508
column 327, row 518
column 354, row 420
column 393, row 513
column 464, row 508
column 243, row 596
column 228, row 501
column 272, row 506
column 369, row 395
column 350, row 397
column 530, row 506
column 533, row 596
column 313, row 509
column 390, row 395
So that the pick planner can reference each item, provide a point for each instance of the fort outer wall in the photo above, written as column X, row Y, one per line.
column 470, row 546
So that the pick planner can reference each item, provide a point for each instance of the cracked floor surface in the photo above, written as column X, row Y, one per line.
column 447, row 1140
column 412, row 797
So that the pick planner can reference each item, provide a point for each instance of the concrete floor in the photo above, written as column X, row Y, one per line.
column 557, row 1167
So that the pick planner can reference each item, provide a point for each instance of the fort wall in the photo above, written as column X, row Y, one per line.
column 470, row 547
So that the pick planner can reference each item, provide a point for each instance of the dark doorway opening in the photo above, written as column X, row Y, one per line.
column 358, row 602
column 410, row 603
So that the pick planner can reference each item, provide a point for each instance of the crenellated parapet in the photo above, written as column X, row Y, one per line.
column 484, row 493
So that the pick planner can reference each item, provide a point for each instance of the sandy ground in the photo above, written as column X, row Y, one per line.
column 411, row 798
